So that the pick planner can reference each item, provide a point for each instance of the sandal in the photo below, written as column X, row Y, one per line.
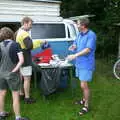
column 83, row 111
column 29, row 100
column 81, row 102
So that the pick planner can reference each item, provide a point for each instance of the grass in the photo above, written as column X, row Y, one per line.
column 104, row 104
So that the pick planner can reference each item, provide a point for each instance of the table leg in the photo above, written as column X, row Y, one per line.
column 72, row 84
column 35, row 78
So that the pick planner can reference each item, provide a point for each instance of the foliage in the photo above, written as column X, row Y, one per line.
column 107, row 15
column 104, row 102
column 73, row 7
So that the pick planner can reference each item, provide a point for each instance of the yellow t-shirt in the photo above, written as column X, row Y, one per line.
column 22, row 34
column 37, row 43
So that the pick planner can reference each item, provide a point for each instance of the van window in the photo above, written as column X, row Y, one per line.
column 73, row 33
column 68, row 32
column 48, row 31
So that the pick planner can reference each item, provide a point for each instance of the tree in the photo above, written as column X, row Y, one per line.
column 107, row 14
column 74, row 8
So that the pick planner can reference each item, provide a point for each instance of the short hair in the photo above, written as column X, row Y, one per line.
column 6, row 33
column 26, row 20
column 84, row 21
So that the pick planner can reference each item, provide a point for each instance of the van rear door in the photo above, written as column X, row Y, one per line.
column 57, row 34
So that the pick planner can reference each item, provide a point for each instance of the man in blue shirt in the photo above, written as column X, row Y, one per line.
column 84, row 47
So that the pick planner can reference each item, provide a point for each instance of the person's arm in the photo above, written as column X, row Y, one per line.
column 83, row 52
column 28, row 43
column 18, row 58
column 72, row 47
column 91, row 44
column 38, row 43
column 20, row 62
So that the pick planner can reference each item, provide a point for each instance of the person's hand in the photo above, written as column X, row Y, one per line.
column 72, row 47
column 71, row 57
column 45, row 45
column 44, row 42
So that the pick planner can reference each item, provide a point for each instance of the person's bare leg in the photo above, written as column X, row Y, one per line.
column 28, row 99
column 21, row 86
column 16, row 103
column 2, row 99
column 86, row 92
column 27, row 80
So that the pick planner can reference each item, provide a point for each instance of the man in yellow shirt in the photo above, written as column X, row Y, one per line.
column 25, row 41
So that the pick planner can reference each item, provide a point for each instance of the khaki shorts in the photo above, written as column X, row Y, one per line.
column 10, row 80
column 26, row 71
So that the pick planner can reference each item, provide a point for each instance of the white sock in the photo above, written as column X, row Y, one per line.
column 1, row 113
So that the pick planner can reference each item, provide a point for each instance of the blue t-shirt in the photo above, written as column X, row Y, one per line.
column 86, row 40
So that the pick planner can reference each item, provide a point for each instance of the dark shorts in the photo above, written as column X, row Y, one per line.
column 10, row 80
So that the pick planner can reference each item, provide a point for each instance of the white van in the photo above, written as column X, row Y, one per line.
column 58, row 34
